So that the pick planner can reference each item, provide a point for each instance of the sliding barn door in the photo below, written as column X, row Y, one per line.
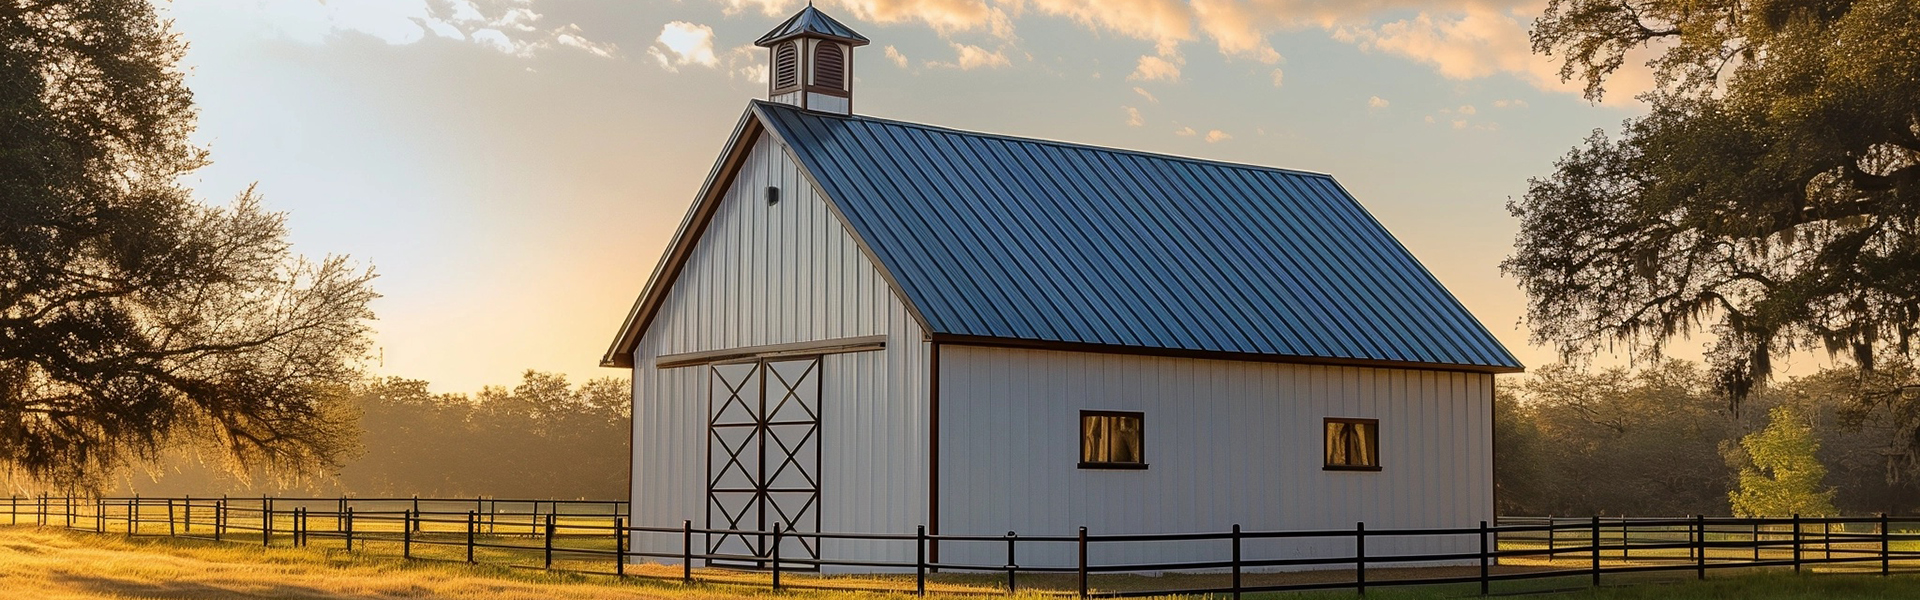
column 763, row 459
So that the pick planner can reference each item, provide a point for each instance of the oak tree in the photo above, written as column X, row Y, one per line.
column 132, row 315
column 1770, row 197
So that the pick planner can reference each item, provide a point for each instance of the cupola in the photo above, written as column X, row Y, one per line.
column 810, row 62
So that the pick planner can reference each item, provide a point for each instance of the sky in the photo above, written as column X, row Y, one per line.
column 513, row 169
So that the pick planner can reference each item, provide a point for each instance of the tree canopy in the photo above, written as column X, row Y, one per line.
column 133, row 316
column 1770, row 197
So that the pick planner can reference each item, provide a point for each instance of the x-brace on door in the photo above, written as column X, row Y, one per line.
column 763, row 460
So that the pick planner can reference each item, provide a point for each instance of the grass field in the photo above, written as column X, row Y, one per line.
column 51, row 563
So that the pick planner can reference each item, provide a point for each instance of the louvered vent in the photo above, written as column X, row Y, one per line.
column 786, row 66
column 829, row 66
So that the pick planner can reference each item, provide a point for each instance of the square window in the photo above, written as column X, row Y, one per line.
column 1112, row 440
column 1353, row 444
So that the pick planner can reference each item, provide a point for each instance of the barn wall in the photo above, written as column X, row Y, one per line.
column 779, row 274
column 1226, row 442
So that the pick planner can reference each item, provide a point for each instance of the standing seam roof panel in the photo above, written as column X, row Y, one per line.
column 1000, row 300
column 1005, row 237
column 1024, row 183
column 1161, row 279
column 1183, row 233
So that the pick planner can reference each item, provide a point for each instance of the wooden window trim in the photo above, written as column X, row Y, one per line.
column 1118, row 466
column 1374, row 468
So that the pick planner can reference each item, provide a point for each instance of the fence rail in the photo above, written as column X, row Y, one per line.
column 594, row 536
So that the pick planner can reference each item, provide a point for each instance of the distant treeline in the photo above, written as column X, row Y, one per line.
column 1659, row 441
column 543, row 438
column 1662, row 442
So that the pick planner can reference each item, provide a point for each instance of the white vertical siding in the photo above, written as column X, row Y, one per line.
column 1226, row 442
column 785, row 273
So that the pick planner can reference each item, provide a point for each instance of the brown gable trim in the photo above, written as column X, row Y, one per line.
column 999, row 342
column 620, row 353
column 834, row 346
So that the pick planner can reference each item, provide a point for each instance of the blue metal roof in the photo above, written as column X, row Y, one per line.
column 1001, row 237
column 810, row 21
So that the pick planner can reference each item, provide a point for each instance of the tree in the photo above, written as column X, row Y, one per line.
column 1782, row 475
column 132, row 316
column 1771, row 196
column 1613, row 442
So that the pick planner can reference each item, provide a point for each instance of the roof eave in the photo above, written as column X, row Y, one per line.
column 1098, row 348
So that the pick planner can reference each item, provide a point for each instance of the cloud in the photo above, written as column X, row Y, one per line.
column 893, row 54
column 1146, row 94
column 1514, row 103
column 1234, row 29
column 1377, row 103
column 681, row 43
column 968, row 57
column 1185, row 131
column 570, row 36
column 1459, row 124
column 771, row 8
column 1468, row 110
column 1277, row 77
column 1459, row 39
column 510, row 27
column 1157, row 68
column 1216, row 136
column 1133, row 117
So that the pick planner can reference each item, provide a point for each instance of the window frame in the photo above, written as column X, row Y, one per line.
column 1128, row 466
column 1327, row 465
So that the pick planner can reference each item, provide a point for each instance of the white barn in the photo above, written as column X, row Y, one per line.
column 866, row 325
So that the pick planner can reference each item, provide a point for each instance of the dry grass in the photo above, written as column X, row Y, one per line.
column 54, row 563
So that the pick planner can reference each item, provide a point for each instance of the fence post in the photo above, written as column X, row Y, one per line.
column 686, row 551
column 1796, row 542
column 549, row 542
column 1700, row 543
column 920, row 560
column 1826, row 536
column 133, row 516
column 1551, row 534
column 1360, row 557
column 406, row 533
column 776, row 556
column 1885, row 536
column 170, row 529
column 1593, row 542
column 186, row 524
column 1484, row 556
column 219, row 519
column 1756, row 539
column 1236, row 561
column 1083, row 561
column 100, row 515
column 470, row 516
column 1011, row 564
column 13, row 509
column 266, row 522
column 416, row 509
column 620, row 546
column 1626, row 544
column 348, row 525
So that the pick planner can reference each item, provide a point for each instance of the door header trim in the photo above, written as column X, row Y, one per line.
column 817, row 347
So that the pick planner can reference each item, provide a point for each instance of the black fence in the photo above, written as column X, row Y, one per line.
column 594, row 536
